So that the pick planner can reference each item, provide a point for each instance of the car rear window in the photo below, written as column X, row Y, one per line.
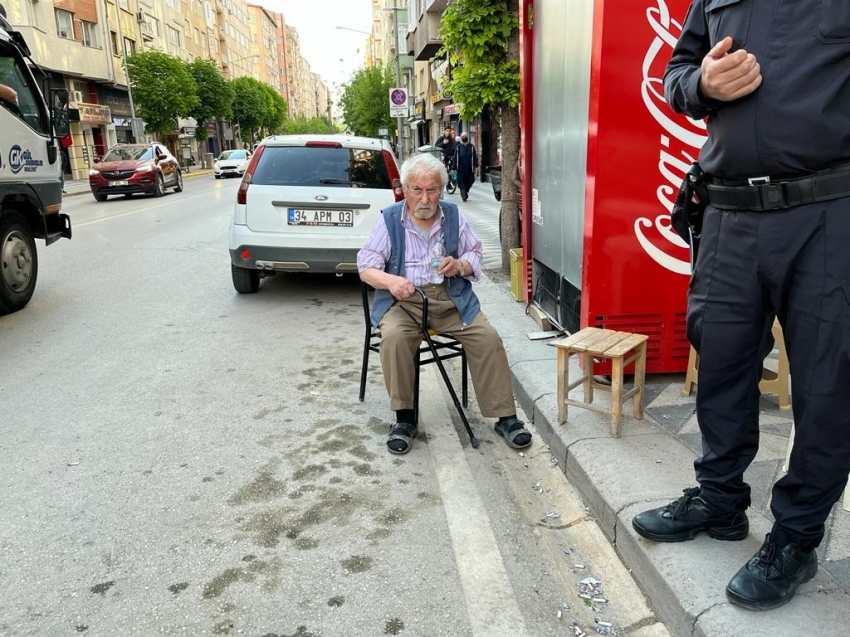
column 321, row 166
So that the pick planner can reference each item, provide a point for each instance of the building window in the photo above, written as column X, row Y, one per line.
column 29, row 13
column 173, row 36
column 130, row 45
column 124, row 4
column 197, row 36
column 170, row 3
column 116, row 50
column 89, row 31
column 64, row 24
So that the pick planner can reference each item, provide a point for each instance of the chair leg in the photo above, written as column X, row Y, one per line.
column 464, row 383
column 365, row 368
column 563, row 383
column 616, row 394
column 640, row 381
column 588, row 378
column 416, row 367
column 691, row 375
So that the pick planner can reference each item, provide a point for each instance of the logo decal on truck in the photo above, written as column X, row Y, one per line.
column 22, row 159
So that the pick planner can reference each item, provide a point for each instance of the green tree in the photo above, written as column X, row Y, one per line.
column 481, row 39
column 277, row 110
column 251, row 106
column 163, row 89
column 301, row 126
column 215, row 95
column 365, row 101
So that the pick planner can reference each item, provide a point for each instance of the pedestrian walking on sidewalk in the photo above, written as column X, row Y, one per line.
column 397, row 257
column 772, row 78
column 466, row 163
column 447, row 145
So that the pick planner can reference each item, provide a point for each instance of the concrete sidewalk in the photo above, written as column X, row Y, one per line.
column 650, row 466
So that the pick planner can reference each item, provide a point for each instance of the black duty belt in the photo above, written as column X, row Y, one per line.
column 762, row 194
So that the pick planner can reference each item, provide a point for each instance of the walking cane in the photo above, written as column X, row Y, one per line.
column 424, row 326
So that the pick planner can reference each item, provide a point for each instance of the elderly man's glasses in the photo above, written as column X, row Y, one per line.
column 416, row 191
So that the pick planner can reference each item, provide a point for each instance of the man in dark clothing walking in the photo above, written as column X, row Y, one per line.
column 466, row 163
column 771, row 77
column 447, row 145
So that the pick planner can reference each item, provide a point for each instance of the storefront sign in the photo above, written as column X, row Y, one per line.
column 94, row 113
column 117, row 101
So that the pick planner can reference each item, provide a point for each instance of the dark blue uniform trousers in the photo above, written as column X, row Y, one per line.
column 752, row 266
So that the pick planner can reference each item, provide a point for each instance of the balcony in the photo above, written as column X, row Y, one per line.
column 424, row 41
column 436, row 6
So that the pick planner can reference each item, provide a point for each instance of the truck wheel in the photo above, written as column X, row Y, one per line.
column 244, row 280
column 179, row 186
column 18, row 263
column 159, row 189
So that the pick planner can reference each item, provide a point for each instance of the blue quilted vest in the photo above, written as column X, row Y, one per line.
column 458, row 288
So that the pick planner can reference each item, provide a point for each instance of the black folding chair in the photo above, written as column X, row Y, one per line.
column 435, row 348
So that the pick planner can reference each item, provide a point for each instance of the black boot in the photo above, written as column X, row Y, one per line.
column 682, row 519
column 772, row 576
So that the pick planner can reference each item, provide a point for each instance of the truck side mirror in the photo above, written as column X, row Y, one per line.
column 59, row 112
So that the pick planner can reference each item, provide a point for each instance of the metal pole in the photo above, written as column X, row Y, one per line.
column 398, row 81
column 127, row 75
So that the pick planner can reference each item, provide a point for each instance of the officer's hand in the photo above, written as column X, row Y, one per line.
column 728, row 76
column 401, row 288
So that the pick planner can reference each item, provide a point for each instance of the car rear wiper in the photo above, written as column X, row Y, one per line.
column 344, row 182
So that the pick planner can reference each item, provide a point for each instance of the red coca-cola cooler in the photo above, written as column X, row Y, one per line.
column 602, row 159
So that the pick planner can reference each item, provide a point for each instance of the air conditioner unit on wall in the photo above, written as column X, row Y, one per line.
column 140, row 16
column 75, row 98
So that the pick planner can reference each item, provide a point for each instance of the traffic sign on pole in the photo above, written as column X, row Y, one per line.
column 398, row 102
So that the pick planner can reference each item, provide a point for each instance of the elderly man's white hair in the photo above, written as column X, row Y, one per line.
column 423, row 165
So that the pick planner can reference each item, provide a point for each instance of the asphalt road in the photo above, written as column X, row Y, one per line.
column 177, row 459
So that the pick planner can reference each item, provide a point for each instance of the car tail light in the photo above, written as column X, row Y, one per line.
column 242, row 193
column 395, row 178
column 323, row 145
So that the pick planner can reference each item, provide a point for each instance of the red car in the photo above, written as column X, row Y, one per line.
column 130, row 168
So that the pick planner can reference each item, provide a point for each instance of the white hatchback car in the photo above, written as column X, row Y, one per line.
column 231, row 163
column 307, row 203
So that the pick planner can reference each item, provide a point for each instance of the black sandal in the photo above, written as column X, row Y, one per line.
column 401, row 438
column 514, row 432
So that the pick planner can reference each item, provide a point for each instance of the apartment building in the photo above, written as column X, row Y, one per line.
column 81, row 44
column 263, row 28
column 283, row 60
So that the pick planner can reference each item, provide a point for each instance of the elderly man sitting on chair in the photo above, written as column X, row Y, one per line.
column 396, row 258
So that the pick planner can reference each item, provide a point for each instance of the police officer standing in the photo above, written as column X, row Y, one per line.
column 773, row 79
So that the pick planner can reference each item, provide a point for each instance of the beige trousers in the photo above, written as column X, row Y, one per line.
column 488, row 362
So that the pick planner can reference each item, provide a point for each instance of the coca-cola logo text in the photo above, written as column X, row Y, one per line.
column 680, row 139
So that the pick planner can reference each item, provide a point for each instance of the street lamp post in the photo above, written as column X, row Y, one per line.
column 371, row 41
column 230, row 64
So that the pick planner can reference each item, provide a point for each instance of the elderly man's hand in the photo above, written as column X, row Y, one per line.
column 728, row 76
column 401, row 288
column 449, row 266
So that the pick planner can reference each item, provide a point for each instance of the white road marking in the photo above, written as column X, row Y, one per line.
column 490, row 599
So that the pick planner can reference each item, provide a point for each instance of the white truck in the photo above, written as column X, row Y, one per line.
column 30, row 165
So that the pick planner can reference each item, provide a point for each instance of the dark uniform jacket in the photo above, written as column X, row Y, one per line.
column 798, row 120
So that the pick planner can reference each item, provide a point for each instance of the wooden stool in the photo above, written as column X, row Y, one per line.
column 621, row 348
column 772, row 382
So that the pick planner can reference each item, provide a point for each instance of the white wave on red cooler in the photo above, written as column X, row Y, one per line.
column 680, row 139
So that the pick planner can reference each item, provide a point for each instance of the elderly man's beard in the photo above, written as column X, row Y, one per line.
column 424, row 210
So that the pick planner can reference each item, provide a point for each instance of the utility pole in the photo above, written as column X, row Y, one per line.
column 398, row 82
column 136, row 126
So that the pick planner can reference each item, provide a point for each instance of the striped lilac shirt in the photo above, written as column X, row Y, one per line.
column 376, row 252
